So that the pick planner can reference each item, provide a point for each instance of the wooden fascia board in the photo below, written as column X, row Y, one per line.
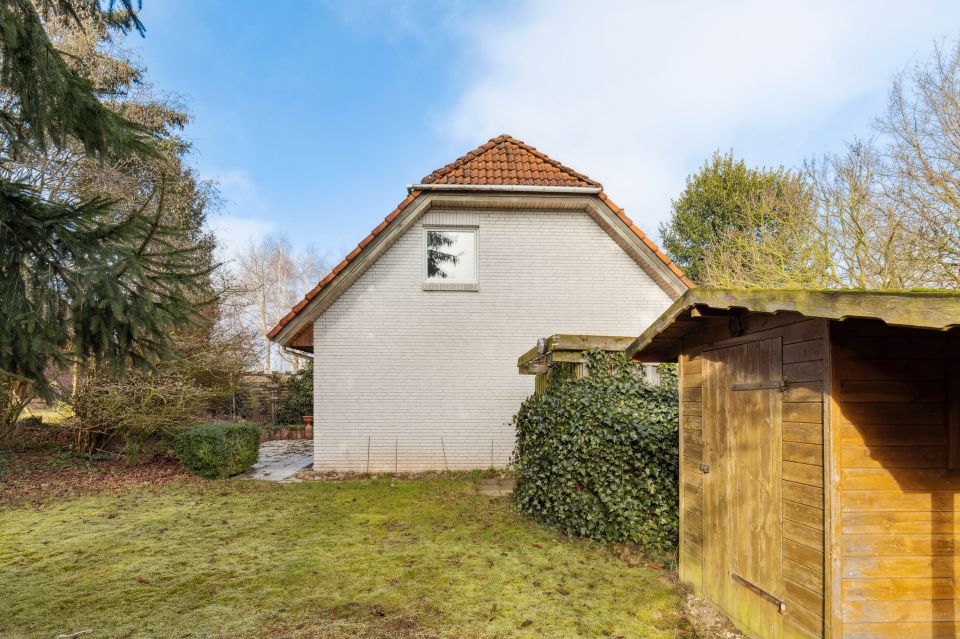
column 535, row 366
column 661, row 323
column 530, row 355
column 566, row 348
column 671, row 284
column 914, row 309
column 569, row 342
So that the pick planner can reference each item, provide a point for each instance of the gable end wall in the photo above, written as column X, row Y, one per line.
column 408, row 380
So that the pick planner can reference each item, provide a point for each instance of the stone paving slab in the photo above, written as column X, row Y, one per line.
column 280, row 459
column 496, row 487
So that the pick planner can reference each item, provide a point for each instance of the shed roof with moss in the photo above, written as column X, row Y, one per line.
column 935, row 310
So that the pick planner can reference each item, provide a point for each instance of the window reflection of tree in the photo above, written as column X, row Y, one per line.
column 440, row 261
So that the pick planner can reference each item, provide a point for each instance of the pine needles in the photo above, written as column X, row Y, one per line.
column 83, row 276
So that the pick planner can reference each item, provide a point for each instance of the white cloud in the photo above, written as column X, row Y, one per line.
column 638, row 94
column 245, row 218
column 236, row 233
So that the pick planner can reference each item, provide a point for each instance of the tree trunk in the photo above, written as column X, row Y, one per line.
column 266, row 355
column 15, row 400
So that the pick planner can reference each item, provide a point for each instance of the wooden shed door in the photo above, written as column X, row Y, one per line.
column 742, row 484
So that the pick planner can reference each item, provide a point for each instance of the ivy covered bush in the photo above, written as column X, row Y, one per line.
column 597, row 456
column 219, row 450
column 296, row 396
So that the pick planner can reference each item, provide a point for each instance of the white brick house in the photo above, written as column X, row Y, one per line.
column 415, row 335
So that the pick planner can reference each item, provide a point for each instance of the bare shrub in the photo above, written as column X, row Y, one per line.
column 141, row 413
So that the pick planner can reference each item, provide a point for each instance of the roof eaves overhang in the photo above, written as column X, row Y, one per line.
column 353, row 265
column 665, row 320
column 593, row 201
column 932, row 310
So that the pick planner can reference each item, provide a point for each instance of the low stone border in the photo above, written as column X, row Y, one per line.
column 287, row 434
column 326, row 475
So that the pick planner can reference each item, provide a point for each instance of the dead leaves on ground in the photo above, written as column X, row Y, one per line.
column 27, row 481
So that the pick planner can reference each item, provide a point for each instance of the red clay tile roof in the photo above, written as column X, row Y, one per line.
column 505, row 160
column 486, row 163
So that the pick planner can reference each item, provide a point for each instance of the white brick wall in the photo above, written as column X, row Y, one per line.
column 402, row 374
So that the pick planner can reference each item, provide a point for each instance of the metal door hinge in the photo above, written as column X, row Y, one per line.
column 780, row 384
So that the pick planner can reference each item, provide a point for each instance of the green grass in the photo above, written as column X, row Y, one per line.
column 373, row 558
column 55, row 415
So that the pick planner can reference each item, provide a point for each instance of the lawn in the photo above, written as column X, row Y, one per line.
column 370, row 558
column 53, row 415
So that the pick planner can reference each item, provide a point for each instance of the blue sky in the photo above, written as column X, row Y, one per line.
column 314, row 116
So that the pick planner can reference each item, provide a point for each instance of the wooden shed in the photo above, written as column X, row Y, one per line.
column 820, row 445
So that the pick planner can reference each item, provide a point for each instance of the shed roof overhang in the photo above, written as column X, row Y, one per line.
column 663, row 340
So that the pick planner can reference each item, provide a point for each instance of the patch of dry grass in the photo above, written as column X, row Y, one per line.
column 50, row 415
column 371, row 558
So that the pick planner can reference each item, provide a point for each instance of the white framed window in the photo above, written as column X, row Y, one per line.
column 450, row 260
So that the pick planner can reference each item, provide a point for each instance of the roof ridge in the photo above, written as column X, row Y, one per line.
column 505, row 139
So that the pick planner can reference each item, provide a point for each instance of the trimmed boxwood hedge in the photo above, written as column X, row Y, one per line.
column 598, row 456
column 219, row 450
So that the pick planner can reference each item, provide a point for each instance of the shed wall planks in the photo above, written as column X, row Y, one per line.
column 870, row 472
column 898, row 533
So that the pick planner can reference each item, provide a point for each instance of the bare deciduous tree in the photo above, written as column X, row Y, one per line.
column 860, row 224
column 923, row 125
column 883, row 214
column 272, row 277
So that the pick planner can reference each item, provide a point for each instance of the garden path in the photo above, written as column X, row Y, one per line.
column 280, row 459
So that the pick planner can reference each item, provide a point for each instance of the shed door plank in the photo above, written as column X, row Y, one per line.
column 742, row 493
